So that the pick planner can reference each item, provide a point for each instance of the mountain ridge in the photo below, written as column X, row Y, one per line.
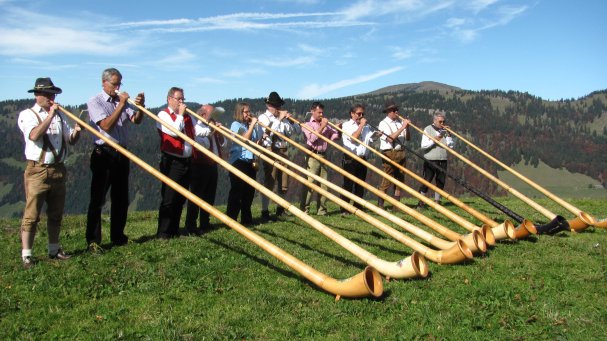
column 515, row 127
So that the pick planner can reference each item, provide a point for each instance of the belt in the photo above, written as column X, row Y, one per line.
column 179, row 158
column 39, row 164
column 317, row 152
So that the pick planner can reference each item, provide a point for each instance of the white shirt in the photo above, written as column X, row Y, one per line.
column 427, row 142
column 389, row 127
column 58, row 132
column 366, row 136
column 203, row 134
column 178, row 124
column 283, row 127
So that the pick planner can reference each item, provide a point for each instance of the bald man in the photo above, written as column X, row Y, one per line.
column 204, row 173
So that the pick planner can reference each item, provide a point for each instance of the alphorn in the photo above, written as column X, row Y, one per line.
column 500, row 231
column 405, row 268
column 450, row 256
column 365, row 284
column 475, row 241
column 526, row 226
column 485, row 231
column 557, row 223
column 582, row 219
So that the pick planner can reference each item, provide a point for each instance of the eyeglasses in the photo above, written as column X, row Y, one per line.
column 441, row 122
column 115, row 84
column 360, row 113
column 393, row 110
column 178, row 99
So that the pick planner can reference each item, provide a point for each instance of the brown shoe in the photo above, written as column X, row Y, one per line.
column 60, row 255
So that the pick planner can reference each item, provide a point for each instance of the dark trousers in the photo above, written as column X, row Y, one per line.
column 431, row 173
column 110, row 170
column 357, row 169
column 241, row 194
column 169, row 213
column 203, row 184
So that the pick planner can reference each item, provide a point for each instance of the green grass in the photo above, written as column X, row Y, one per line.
column 220, row 286
column 560, row 182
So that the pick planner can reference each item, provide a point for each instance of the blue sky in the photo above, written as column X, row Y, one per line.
column 302, row 48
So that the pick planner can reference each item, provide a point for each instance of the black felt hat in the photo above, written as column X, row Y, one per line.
column 274, row 100
column 45, row 85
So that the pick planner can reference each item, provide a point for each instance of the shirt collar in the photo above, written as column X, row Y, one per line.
column 37, row 108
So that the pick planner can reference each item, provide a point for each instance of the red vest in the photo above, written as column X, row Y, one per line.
column 174, row 145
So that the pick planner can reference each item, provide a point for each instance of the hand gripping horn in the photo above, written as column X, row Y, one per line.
column 401, row 269
column 260, row 151
column 452, row 255
column 582, row 219
column 500, row 231
column 365, row 284
column 556, row 224
column 474, row 242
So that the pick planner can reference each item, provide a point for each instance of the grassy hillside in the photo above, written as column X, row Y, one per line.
column 562, row 183
column 219, row 286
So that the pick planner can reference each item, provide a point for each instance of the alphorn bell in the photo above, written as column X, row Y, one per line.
column 525, row 228
column 486, row 232
column 402, row 269
column 474, row 240
column 501, row 231
column 365, row 284
column 449, row 256
column 557, row 223
column 582, row 219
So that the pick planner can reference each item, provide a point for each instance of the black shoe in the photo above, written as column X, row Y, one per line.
column 28, row 262
column 420, row 204
column 123, row 240
column 60, row 255
column 265, row 216
column 193, row 231
column 279, row 211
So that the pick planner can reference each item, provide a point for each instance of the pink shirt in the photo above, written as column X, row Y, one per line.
column 315, row 142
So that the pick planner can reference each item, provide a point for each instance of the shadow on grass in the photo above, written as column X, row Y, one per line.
column 283, row 272
column 306, row 247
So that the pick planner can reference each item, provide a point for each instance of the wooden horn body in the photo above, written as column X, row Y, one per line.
column 490, row 176
column 423, row 250
column 449, row 214
column 476, row 243
column 400, row 269
column 581, row 221
column 525, row 229
column 365, row 284
column 452, row 216
column 501, row 231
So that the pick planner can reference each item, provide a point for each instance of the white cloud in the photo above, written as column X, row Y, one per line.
column 455, row 22
column 479, row 5
column 33, row 34
column 53, row 40
column 244, row 21
column 176, row 59
column 400, row 53
column 315, row 90
column 504, row 15
column 410, row 9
